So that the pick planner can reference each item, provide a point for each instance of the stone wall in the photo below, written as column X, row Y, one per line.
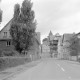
column 3, row 45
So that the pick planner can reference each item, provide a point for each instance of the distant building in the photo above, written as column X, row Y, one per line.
column 50, row 44
column 45, row 48
column 57, row 36
column 45, row 41
column 63, row 46
column 53, row 42
column 60, row 48
column 50, row 36
column 78, row 36
column 66, row 44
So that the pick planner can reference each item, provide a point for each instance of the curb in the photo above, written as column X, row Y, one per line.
column 21, row 69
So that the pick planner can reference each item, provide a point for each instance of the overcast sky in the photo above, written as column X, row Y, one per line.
column 59, row 16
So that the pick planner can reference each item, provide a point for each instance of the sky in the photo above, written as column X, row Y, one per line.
column 59, row 16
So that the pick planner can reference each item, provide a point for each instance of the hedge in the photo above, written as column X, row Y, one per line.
column 7, row 62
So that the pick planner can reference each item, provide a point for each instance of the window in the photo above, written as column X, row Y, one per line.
column 8, row 43
column 5, row 33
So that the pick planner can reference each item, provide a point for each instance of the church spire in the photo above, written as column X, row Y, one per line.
column 50, row 34
column 50, row 37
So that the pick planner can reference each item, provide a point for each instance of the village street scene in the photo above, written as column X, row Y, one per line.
column 39, row 40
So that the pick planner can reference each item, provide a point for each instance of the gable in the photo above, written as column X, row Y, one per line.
column 4, row 30
column 78, row 35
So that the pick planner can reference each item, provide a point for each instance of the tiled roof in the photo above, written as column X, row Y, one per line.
column 6, row 28
column 7, row 25
column 67, row 37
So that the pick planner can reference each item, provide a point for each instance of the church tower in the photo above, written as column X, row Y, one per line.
column 50, row 36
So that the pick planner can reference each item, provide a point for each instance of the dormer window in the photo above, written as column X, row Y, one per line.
column 5, row 33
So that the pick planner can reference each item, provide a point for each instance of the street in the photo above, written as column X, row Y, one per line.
column 51, row 69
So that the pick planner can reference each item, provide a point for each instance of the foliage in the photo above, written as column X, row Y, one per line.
column 16, row 11
column 45, row 39
column 5, row 52
column 8, row 62
column 23, row 26
column 0, row 14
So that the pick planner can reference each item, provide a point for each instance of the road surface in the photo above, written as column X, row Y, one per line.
column 51, row 69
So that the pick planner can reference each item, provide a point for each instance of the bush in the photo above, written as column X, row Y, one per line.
column 1, row 53
column 2, row 62
column 7, row 62
column 8, row 53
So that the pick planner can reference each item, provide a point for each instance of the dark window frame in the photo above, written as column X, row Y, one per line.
column 8, row 43
column 5, row 33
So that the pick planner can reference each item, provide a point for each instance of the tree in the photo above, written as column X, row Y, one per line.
column 0, row 14
column 16, row 11
column 45, row 39
column 23, row 26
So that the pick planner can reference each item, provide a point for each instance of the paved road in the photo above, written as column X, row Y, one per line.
column 51, row 69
